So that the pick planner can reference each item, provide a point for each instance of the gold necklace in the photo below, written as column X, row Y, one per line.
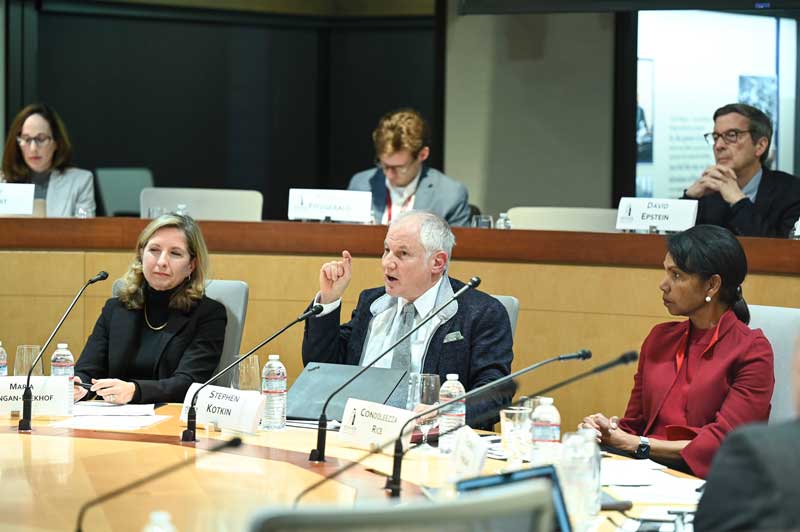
column 148, row 321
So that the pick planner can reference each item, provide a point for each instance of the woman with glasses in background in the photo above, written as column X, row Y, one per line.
column 38, row 151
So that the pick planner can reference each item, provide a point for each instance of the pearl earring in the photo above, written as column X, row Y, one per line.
column 708, row 299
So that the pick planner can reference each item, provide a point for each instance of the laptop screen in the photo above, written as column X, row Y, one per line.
column 548, row 471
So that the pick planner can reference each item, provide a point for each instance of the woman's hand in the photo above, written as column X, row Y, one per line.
column 78, row 392
column 114, row 390
column 609, row 433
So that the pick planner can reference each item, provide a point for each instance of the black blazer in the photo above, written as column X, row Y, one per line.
column 753, row 483
column 189, row 349
column 774, row 213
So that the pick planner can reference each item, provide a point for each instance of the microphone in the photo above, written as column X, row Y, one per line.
column 234, row 442
column 393, row 482
column 27, row 394
column 624, row 358
column 191, row 417
column 318, row 453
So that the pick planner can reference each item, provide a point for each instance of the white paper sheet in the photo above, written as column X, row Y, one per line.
column 615, row 472
column 100, row 408
column 109, row 422
column 666, row 489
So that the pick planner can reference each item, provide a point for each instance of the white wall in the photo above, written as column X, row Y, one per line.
column 528, row 117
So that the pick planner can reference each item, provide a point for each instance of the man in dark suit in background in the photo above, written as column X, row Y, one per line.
column 739, row 192
column 470, row 337
column 753, row 483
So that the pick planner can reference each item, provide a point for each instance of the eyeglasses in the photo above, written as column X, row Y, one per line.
column 399, row 169
column 729, row 137
column 39, row 140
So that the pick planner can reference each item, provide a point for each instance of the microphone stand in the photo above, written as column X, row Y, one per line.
column 626, row 358
column 318, row 453
column 234, row 442
column 393, row 482
column 189, row 435
column 27, row 394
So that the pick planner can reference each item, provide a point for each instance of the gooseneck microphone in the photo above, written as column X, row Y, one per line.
column 191, row 417
column 393, row 482
column 234, row 442
column 626, row 358
column 27, row 394
column 318, row 453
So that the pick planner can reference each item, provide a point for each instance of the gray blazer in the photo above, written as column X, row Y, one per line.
column 436, row 193
column 69, row 190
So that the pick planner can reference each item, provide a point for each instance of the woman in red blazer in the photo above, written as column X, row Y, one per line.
column 700, row 378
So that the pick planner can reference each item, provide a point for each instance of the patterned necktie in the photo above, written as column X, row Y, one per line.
column 401, row 358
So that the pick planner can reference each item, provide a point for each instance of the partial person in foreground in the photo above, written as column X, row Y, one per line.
column 401, row 180
column 739, row 192
column 697, row 379
column 38, row 151
column 470, row 337
column 753, row 483
column 161, row 333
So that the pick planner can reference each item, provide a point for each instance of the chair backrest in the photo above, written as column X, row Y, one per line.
column 781, row 326
column 206, row 203
column 564, row 219
column 119, row 188
column 522, row 506
column 512, row 307
column 234, row 296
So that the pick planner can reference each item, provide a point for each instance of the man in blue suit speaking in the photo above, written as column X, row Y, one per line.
column 401, row 181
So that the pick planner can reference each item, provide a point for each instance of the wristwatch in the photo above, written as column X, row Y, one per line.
column 643, row 451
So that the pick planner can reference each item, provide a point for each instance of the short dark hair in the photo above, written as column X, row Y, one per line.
column 760, row 124
column 14, row 168
column 707, row 250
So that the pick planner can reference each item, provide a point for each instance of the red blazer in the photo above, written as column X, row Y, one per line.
column 730, row 385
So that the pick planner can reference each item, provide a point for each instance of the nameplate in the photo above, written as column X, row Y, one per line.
column 335, row 205
column 652, row 215
column 469, row 453
column 367, row 425
column 52, row 396
column 227, row 408
column 16, row 198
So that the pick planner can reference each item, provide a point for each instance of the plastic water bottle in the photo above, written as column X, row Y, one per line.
column 273, row 386
column 452, row 417
column 592, row 450
column 62, row 363
column 545, row 433
column 579, row 471
column 503, row 222
column 3, row 361
column 159, row 522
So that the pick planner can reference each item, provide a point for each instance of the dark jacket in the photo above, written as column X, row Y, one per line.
column 774, row 213
column 482, row 354
column 189, row 349
column 753, row 483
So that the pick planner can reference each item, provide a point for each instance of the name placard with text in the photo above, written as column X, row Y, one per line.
column 366, row 425
column 656, row 215
column 228, row 408
column 336, row 205
column 52, row 396
column 16, row 198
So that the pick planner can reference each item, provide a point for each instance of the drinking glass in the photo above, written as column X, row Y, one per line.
column 155, row 212
column 247, row 375
column 25, row 356
column 482, row 220
column 515, row 426
column 427, row 397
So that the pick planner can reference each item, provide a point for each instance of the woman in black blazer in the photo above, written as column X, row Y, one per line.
column 161, row 333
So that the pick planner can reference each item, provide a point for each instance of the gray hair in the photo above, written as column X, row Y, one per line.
column 760, row 123
column 434, row 232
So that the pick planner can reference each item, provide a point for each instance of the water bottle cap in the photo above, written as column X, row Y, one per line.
column 274, row 357
column 545, row 400
column 452, row 376
column 62, row 346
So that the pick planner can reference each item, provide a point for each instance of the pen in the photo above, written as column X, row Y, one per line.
column 84, row 385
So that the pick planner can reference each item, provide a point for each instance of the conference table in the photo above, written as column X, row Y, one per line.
column 46, row 475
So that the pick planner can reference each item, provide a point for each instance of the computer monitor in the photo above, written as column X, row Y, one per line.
column 559, row 506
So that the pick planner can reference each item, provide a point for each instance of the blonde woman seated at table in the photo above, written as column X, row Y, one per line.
column 38, row 151
column 161, row 334
column 697, row 379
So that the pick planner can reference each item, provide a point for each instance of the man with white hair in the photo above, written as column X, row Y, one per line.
column 470, row 337
column 753, row 483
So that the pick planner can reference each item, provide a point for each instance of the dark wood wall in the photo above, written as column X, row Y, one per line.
column 222, row 99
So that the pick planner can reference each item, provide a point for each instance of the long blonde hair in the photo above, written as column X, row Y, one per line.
column 188, row 294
